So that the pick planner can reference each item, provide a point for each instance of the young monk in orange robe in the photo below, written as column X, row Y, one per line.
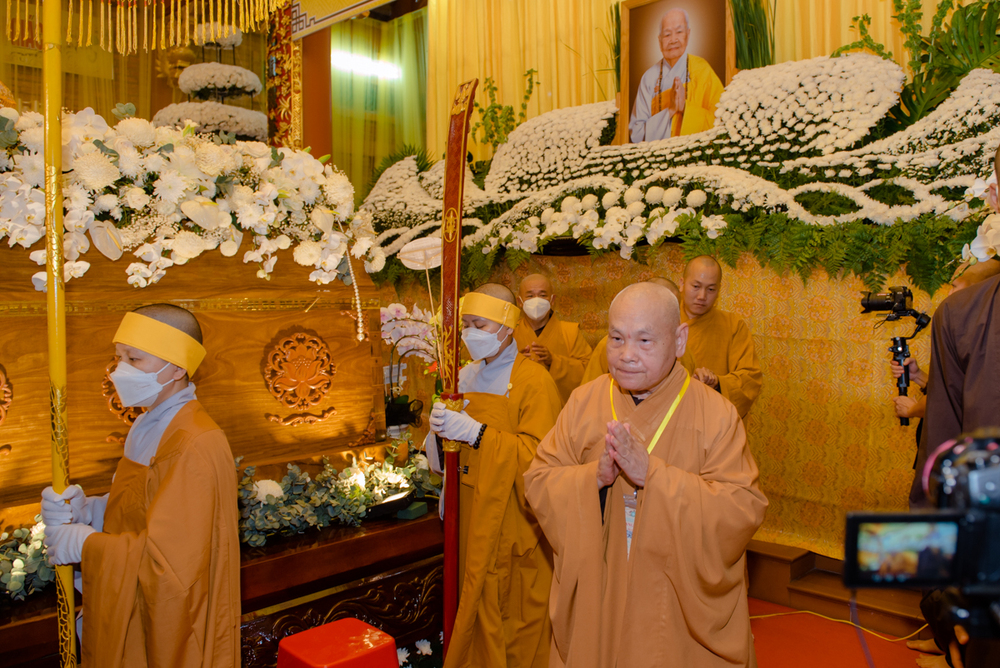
column 160, row 554
column 504, row 561
column 720, row 341
column 648, row 495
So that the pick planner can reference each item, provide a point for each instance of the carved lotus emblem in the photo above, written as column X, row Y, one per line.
column 299, row 371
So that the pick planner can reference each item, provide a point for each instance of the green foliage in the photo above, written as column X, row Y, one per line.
column 753, row 27
column 820, row 203
column 608, row 133
column 424, row 162
column 342, row 497
column 8, row 135
column 497, row 121
column 123, row 111
column 939, row 61
column 892, row 194
column 24, row 566
column 613, row 40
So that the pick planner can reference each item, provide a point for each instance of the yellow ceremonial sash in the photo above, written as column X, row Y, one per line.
column 670, row 413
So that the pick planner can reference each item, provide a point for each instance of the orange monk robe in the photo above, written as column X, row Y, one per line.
column 721, row 342
column 570, row 351
column 679, row 598
column 598, row 365
column 700, row 100
column 161, row 583
column 502, row 617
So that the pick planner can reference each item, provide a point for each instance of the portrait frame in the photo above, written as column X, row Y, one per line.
column 628, row 12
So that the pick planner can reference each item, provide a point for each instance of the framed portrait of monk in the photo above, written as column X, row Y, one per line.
column 676, row 57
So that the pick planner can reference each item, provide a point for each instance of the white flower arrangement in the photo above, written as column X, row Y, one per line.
column 783, row 134
column 206, row 78
column 169, row 201
column 214, row 117
column 217, row 34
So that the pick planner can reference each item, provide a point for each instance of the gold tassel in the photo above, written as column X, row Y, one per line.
column 79, row 28
column 211, row 19
column 90, row 21
column 163, row 24
column 8, row 15
column 152, row 44
column 69, row 23
column 135, row 27
column 38, row 24
column 187, row 22
column 17, row 20
column 145, row 26
column 173, row 21
column 100, row 9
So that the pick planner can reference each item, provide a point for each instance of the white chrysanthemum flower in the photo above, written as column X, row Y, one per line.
column 672, row 197
column 170, row 186
column 212, row 159
column 28, row 120
column 307, row 253
column 33, row 139
column 264, row 488
column 95, row 171
column 654, row 195
column 139, row 131
column 696, row 198
column 402, row 655
column 187, row 245
column 424, row 646
column 632, row 195
column 610, row 199
column 589, row 202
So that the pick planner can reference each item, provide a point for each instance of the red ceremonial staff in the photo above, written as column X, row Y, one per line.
column 451, row 332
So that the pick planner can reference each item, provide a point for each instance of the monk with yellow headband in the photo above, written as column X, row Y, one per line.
column 505, row 564
column 160, row 554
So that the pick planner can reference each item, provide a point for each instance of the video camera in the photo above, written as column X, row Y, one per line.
column 899, row 302
column 956, row 547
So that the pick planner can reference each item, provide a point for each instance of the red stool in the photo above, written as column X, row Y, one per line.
column 346, row 643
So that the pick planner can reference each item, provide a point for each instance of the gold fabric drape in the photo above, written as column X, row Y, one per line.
column 373, row 116
column 562, row 39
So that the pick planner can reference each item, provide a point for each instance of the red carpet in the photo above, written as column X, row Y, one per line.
column 794, row 641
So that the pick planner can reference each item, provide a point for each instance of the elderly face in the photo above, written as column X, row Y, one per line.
column 643, row 338
column 535, row 286
column 674, row 33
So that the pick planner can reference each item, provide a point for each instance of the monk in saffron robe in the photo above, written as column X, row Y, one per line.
column 159, row 554
column 541, row 335
column 598, row 365
column 679, row 93
column 504, row 561
column 648, row 494
column 719, row 341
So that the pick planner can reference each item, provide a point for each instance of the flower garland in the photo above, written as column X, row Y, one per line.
column 217, row 34
column 167, row 194
column 205, row 79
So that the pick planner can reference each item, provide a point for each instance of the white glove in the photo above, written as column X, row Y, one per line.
column 56, row 511
column 454, row 426
column 64, row 542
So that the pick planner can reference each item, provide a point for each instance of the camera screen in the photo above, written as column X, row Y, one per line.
column 905, row 552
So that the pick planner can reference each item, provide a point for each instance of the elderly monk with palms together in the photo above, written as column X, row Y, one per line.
column 648, row 494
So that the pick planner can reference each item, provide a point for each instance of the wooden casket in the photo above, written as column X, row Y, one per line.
column 287, row 379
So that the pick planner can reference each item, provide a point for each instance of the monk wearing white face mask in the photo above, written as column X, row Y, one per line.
column 545, row 338
column 160, row 554
column 504, row 563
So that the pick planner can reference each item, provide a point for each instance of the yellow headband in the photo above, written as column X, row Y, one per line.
column 491, row 308
column 160, row 339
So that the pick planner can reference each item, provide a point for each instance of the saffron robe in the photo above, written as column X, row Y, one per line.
column 505, row 562
column 570, row 351
column 598, row 365
column 650, row 115
column 721, row 342
column 161, row 583
column 679, row 597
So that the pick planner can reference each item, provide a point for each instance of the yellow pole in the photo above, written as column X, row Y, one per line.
column 55, row 299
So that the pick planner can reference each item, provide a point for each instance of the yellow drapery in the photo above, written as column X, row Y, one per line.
column 374, row 116
column 562, row 39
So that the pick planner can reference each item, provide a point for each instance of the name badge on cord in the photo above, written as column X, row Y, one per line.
column 630, row 506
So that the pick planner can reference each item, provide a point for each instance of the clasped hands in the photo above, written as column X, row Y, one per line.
column 707, row 377
column 67, row 519
column 452, row 425
column 623, row 453
column 538, row 353
column 679, row 95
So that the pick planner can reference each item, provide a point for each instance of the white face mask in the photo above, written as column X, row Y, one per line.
column 135, row 387
column 536, row 307
column 482, row 344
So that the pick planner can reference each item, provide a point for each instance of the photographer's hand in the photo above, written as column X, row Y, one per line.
column 707, row 377
column 917, row 375
column 909, row 407
column 962, row 637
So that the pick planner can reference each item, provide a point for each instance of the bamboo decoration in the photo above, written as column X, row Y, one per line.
column 451, row 330
column 56, row 308
column 119, row 22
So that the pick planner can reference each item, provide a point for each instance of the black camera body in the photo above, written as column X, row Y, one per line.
column 956, row 547
column 899, row 299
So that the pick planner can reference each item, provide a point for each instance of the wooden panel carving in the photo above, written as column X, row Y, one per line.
column 406, row 604
column 6, row 395
column 298, row 372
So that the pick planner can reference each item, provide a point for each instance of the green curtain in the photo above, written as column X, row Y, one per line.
column 375, row 114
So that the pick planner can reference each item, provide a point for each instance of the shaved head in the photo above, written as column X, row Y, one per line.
column 534, row 286
column 645, row 336
column 701, row 285
column 498, row 291
column 175, row 316
column 668, row 284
